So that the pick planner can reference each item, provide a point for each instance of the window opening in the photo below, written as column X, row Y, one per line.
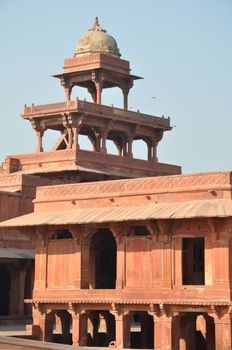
column 193, row 262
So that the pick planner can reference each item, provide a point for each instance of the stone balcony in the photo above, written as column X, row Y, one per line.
column 107, row 112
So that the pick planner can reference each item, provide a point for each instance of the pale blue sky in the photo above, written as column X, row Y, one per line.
column 182, row 48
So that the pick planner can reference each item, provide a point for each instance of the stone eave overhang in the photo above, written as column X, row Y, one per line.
column 165, row 301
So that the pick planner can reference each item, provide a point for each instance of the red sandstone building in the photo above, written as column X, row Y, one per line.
column 128, row 252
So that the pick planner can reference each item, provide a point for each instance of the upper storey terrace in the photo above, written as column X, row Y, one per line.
column 96, row 66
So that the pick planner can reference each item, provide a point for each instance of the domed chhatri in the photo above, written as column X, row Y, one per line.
column 97, row 40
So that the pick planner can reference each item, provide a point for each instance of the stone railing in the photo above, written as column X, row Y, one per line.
column 95, row 109
column 49, row 107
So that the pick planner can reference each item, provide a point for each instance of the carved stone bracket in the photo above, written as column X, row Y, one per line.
column 42, row 236
column 164, row 235
column 218, row 312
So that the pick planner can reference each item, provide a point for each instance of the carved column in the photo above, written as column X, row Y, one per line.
column 75, row 144
column 39, row 134
column 79, row 326
column 154, row 151
column 125, row 98
column 222, row 331
column 43, row 325
column 155, row 140
column 103, row 141
column 162, row 332
column 122, row 329
column 75, row 329
column 149, row 151
column 97, row 142
column 125, row 86
column 68, row 91
column 98, row 91
column 129, row 145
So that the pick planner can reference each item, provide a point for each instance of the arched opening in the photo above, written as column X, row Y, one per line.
column 197, row 331
column 112, row 96
column 5, row 281
column 61, row 324
column 85, row 143
column 142, row 331
column 111, row 147
column 81, row 93
column 117, row 142
column 102, row 260
column 52, row 140
column 139, row 149
column 101, row 328
column 87, row 138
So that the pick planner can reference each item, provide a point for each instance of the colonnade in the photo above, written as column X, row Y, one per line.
column 173, row 331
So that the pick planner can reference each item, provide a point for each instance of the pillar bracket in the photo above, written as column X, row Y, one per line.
column 164, row 233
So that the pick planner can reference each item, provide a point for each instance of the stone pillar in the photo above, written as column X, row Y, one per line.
column 75, row 144
column 68, row 91
column 43, row 324
column 162, row 333
column 70, row 138
column 124, row 152
column 154, row 151
column 119, row 330
column 223, row 332
column 103, row 143
column 97, row 142
column 149, row 151
column 125, row 99
column 39, row 134
column 98, row 91
column 76, row 329
column 129, row 150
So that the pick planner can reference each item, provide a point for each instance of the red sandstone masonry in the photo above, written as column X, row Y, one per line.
column 164, row 188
